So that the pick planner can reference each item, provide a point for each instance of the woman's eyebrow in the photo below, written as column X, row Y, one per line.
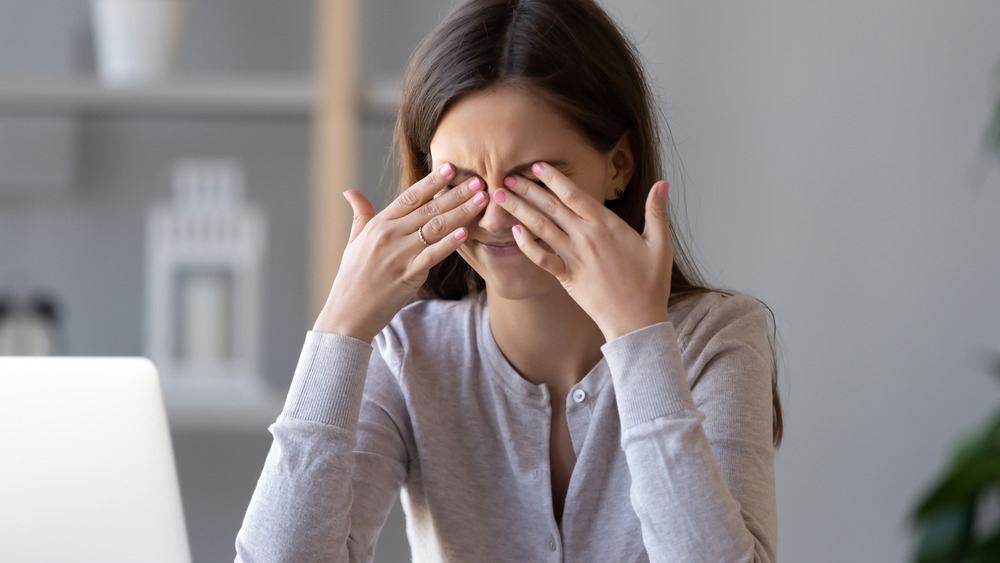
column 519, row 169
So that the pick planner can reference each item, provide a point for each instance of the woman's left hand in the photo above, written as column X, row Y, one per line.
column 621, row 279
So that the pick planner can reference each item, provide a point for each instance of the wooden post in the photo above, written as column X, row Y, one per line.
column 335, row 157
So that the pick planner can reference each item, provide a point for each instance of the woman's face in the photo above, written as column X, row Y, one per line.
column 498, row 133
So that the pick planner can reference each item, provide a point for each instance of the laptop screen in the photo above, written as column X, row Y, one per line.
column 86, row 466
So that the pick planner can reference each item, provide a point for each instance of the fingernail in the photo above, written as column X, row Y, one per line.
column 446, row 170
column 460, row 234
column 500, row 196
column 479, row 199
column 475, row 184
column 517, row 230
column 663, row 189
column 537, row 168
column 510, row 181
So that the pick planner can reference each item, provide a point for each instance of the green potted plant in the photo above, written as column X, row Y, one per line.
column 958, row 519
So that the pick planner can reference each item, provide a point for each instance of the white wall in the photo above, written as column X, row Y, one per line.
column 834, row 169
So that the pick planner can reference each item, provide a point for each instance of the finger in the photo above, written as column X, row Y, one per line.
column 419, row 193
column 363, row 212
column 440, row 225
column 436, row 206
column 438, row 251
column 548, row 261
column 541, row 199
column 657, row 213
column 579, row 201
column 534, row 220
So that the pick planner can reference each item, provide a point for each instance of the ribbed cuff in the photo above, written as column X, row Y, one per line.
column 329, row 380
column 648, row 374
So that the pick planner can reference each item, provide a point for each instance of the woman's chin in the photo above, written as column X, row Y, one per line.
column 534, row 285
column 511, row 277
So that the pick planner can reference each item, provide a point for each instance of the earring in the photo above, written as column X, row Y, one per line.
column 619, row 193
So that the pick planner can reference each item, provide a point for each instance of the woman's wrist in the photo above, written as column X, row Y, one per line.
column 332, row 323
column 632, row 324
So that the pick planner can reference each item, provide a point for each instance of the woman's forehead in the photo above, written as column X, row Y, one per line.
column 512, row 125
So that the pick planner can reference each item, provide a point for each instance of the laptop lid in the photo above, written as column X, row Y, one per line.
column 86, row 465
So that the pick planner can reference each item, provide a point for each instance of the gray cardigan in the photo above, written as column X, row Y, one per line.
column 672, row 433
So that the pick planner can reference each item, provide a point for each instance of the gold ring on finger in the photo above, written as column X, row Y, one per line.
column 420, row 233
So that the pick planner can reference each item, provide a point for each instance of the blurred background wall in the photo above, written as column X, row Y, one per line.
column 832, row 166
column 835, row 171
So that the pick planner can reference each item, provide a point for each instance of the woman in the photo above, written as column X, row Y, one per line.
column 567, row 389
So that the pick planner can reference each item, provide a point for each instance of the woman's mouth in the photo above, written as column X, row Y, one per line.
column 501, row 248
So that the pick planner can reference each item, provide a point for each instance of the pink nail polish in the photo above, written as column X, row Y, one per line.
column 479, row 199
column 446, row 170
column 510, row 181
column 460, row 234
column 475, row 184
column 537, row 168
column 500, row 196
column 663, row 189
column 517, row 231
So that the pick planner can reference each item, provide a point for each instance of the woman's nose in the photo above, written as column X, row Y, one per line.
column 495, row 218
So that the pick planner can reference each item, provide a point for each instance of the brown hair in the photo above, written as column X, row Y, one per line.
column 571, row 53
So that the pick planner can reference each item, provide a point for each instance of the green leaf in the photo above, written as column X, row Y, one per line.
column 962, row 485
column 946, row 535
column 993, row 134
column 988, row 551
column 978, row 443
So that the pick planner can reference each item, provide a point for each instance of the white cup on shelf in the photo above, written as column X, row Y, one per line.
column 136, row 40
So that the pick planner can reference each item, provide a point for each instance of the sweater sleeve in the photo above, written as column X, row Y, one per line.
column 336, row 462
column 696, row 418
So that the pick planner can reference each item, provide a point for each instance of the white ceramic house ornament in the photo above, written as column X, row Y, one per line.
column 204, row 283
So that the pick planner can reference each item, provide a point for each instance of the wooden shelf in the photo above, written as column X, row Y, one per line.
column 381, row 99
column 236, row 97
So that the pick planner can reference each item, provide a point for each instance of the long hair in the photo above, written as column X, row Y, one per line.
column 572, row 54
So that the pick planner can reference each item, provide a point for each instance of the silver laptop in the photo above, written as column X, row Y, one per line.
column 86, row 467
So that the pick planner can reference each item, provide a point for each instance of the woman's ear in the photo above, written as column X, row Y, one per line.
column 621, row 165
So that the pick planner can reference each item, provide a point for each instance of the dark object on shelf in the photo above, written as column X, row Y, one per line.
column 44, row 307
column 31, row 329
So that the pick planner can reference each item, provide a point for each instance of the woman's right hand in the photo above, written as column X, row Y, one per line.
column 386, row 262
